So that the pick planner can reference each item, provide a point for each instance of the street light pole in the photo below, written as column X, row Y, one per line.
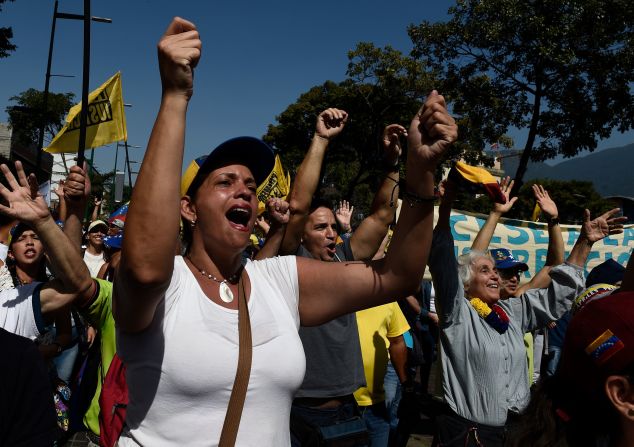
column 87, row 18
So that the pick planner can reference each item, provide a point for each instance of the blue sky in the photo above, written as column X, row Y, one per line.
column 258, row 57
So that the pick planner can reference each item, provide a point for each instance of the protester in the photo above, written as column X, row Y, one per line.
column 176, row 335
column 589, row 402
column 485, row 379
column 608, row 272
column 381, row 330
column 95, row 253
column 27, row 414
column 334, row 365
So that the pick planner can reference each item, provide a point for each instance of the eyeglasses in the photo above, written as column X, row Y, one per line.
column 509, row 274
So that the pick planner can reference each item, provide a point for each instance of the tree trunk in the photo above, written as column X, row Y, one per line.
column 530, row 141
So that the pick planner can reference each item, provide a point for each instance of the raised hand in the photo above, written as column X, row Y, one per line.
column 77, row 186
column 25, row 202
column 447, row 191
column 602, row 226
column 279, row 211
column 59, row 191
column 430, row 134
column 344, row 215
column 179, row 52
column 546, row 204
column 262, row 224
column 391, row 142
column 506, row 186
column 330, row 123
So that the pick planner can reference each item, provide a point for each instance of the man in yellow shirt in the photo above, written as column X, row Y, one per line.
column 381, row 332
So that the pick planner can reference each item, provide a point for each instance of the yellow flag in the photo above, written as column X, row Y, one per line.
column 277, row 184
column 537, row 211
column 106, row 120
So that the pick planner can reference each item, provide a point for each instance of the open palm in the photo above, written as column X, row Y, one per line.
column 602, row 226
column 24, row 201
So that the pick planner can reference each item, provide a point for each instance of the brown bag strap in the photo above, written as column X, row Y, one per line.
column 240, row 384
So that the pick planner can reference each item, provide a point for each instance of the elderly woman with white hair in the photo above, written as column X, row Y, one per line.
column 485, row 374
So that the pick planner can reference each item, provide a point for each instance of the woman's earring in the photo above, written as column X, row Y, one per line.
column 193, row 223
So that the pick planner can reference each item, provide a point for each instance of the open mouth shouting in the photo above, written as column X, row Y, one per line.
column 239, row 217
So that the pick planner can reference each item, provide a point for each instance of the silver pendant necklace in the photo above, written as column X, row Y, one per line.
column 225, row 292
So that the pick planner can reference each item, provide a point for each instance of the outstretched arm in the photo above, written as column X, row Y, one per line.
column 366, row 240
column 147, row 258
column 398, row 274
column 483, row 238
column 329, row 124
column 555, row 254
column 447, row 191
column 28, row 206
column 279, row 213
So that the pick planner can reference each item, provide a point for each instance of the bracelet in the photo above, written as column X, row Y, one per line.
column 323, row 138
column 60, row 348
column 415, row 199
column 552, row 221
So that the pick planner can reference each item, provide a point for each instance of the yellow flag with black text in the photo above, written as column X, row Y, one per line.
column 105, row 124
column 277, row 184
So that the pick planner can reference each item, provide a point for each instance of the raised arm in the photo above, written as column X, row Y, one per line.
column 483, row 238
column 329, row 124
column 555, row 254
column 96, row 210
column 366, row 239
column 593, row 231
column 398, row 274
column 279, row 213
column 28, row 206
column 147, row 258
column 541, row 306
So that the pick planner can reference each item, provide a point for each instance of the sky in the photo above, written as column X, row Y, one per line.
column 258, row 57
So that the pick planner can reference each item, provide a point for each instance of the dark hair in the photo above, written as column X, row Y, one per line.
column 41, row 275
column 559, row 416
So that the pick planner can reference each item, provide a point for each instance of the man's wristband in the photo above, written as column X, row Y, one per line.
column 391, row 167
column 552, row 221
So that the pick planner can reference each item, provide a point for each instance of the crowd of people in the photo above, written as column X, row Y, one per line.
column 176, row 329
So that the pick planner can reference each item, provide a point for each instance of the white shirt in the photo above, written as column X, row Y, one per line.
column 20, row 311
column 181, row 369
column 94, row 262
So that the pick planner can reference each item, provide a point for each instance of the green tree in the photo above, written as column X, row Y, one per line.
column 6, row 34
column 383, row 87
column 27, row 114
column 563, row 69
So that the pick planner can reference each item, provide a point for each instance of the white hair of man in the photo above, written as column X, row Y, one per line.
column 466, row 262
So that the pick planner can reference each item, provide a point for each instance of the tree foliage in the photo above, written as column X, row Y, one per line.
column 6, row 34
column 27, row 114
column 562, row 69
column 383, row 87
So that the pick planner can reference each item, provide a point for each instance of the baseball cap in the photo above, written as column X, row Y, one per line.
column 505, row 260
column 599, row 343
column 249, row 151
column 609, row 272
column 96, row 223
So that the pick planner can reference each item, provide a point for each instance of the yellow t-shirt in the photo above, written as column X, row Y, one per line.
column 376, row 325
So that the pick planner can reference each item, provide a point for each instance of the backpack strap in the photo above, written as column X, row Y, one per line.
column 241, row 382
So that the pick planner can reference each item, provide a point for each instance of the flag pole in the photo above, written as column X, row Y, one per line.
column 83, row 117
